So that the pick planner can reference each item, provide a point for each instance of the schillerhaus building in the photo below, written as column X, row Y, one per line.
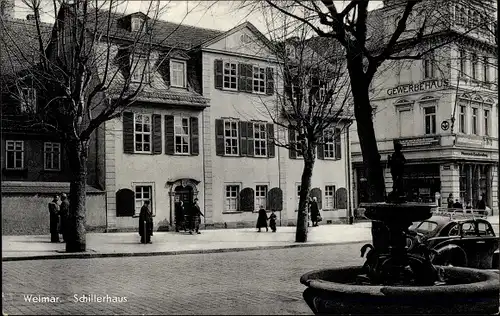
column 444, row 111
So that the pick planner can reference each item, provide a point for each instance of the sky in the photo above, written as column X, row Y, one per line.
column 219, row 15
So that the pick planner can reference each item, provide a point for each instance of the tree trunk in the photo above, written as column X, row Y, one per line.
column 77, row 154
column 305, row 185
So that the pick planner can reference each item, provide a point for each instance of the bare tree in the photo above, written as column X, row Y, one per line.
column 402, row 30
column 87, row 73
column 312, row 105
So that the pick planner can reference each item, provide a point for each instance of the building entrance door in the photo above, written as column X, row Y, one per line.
column 184, row 194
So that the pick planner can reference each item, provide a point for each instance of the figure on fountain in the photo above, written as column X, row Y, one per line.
column 397, row 162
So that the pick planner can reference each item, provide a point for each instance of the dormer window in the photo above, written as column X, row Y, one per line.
column 140, row 70
column 178, row 73
column 28, row 100
column 137, row 25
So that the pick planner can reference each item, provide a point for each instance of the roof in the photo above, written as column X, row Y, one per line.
column 21, row 187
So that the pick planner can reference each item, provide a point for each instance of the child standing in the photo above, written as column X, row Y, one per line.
column 272, row 221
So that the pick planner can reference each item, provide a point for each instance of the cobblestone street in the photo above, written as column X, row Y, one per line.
column 249, row 282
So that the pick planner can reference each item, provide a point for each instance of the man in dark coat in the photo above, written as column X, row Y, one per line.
column 146, row 223
column 481, row 204
column 64, row 212
column 54, row 219
column 195, row 214
column 262, row 219
column 179, row 216
column 457, row 204
column 450, row 200
column 314, row 212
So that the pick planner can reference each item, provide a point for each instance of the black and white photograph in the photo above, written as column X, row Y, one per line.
column 249, row 157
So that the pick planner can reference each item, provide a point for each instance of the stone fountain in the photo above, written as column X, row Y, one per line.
column 393, row 281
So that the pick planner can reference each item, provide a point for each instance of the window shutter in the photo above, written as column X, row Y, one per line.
column 291, row 142
column 321, row 148
column 269, row 81
column 316, row 192
column 169, row 135
column 128, row 132
column 341, row 198
column 195, row 138
column 219, row 137
column 247, row 200
column 249, row 75
column 157, row 148
column 250, row 139
column 275, row 199
column 125, row 203
column 242, row 80
column 218, row 72
column 243, row 132
column 270, row 140
column 334, row 197
column 338, row 144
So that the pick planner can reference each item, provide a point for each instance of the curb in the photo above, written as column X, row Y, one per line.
column 88, row 255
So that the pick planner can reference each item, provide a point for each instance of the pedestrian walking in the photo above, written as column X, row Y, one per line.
column 315, row 216
column 195, row 217
column 179, row 217
column 272, row 221
column 54, row 219
column 146, row 223
column 64, row 213
column 262, row 219
column 450, row 200
column 481, row 204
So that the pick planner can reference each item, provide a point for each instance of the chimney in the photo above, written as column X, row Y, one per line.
column 6, row 9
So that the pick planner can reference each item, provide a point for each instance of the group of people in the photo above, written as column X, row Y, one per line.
column 59, row 213
column 262, row 220
column 188, row 217
column 481, row 204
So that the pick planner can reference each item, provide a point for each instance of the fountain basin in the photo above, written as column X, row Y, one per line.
column 400, row 212
column 467, row 291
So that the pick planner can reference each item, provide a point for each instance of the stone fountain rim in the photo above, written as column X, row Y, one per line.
column 411, row 205
column 491, row 283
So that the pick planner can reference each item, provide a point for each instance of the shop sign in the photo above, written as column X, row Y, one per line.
column 419, row 141
column 418, row 87
column 446, row 167
column 474, row 154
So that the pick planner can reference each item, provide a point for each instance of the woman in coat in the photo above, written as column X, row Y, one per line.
column 262, row 219
column 314, row 212
column 146, row 223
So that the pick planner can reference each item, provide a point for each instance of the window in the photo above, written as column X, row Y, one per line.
column 231, row 202
column 485, row 229
column 142, row 133
column 322, row 92
column 14, row 150
column 181, row 131
column 178, row 74
column 430, row 120
column 462, row 16
column 260, row 139
column 329, row 197
column 462, row 62
column 231, row 137
column 427, row 226
column 259, row 79
column 462, row 119
column 261, row 196
column 329, row 143
column 296, row 95
column 290, row 51
column 428, row 67
column 140, row 70
column 143, row 193
column 487, row 122
column 137, row 24
column 474, row 66
column 298, row 195
column 28, row 100
column 52, row 156
column 230, row 76
column 486, row 70
column 474, row 121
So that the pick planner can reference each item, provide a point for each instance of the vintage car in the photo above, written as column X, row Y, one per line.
column 457, row 239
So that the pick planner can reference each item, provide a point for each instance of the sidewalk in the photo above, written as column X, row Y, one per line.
column 101, row 245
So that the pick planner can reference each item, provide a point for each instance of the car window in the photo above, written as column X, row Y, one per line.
column 427, row 226
column 468, row 229
column 485, row 229
column 453, row 230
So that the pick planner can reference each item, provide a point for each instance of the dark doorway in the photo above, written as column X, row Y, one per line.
column 184, row 194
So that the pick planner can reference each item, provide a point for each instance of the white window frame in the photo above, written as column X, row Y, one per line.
column 143, row 133
column 474, row 127
column 298, row 154
column 474, row 66
column 16, row 151
column 28, row 99
column 329, row 143
column 259, row 80
column 226, row 77
column 136, row 24
column 297, row 195
column 138, row 203
column 232, row 138
column 233, row 196
column 323, row 88
column 261, row 199
column 432, row 132
column 462, row 119
column 260, row 141
column 329, row 203
column 486, row 119
column 182, row 71
column 140, row 65
column 53, row 150
column 185, row 139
